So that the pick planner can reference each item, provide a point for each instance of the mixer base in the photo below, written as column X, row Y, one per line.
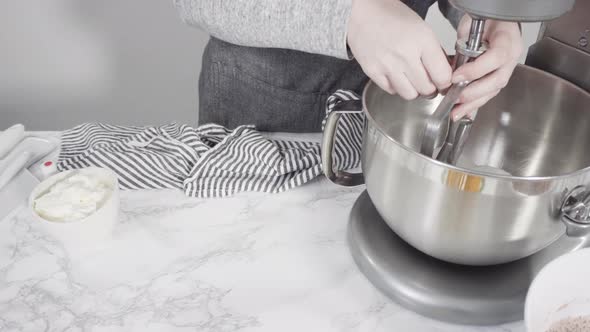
column 475, row 295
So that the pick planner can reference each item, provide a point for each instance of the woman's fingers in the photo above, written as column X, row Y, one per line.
column 487, row 85
column 389, row 39
column 420, row 79
column 436, row 64
column 407, row 85
column 464, row 27
column 469, row 108
column 383, row 82
column 402, row 86
column 483, row 65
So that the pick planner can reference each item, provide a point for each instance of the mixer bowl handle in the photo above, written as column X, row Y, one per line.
column 339, row 177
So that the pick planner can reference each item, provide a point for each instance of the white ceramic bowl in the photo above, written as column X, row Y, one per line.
column 91, row 230
column 560, row 290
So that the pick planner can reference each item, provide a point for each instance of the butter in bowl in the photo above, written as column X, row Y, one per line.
column 78, row 207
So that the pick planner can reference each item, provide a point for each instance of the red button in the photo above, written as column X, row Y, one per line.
column 47, row 163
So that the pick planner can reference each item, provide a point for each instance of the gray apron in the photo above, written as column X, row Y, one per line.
column 274, row 89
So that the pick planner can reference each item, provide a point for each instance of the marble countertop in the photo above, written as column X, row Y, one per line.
column 251, row 262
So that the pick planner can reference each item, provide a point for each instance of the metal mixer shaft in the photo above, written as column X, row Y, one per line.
column 443, row 139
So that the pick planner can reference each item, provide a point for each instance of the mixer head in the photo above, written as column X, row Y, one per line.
column 515, row 10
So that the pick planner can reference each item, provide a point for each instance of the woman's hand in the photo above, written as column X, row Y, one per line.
column 397, row 49
column 492, row 69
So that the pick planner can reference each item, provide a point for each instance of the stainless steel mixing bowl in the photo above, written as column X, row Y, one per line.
column 526, row 153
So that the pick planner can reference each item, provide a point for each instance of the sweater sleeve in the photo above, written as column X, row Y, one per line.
column 314, row 26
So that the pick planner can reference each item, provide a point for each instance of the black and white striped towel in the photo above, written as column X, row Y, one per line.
column 210, row 160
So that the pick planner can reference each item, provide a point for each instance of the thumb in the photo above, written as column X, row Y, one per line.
column 464, row 26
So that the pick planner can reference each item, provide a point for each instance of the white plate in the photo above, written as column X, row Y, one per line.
column 39, row 147
column 560, row 290
column 16, row 191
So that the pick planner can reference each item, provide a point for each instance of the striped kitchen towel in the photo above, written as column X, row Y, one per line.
column 210, row 160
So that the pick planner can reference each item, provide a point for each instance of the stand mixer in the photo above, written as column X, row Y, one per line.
column 470, row 294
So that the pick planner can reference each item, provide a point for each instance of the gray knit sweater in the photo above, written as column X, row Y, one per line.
column 314, row 26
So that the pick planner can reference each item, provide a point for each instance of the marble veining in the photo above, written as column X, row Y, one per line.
column 251, row 262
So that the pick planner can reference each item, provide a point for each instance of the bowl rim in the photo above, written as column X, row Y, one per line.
column 446, row 166
column 111, row 197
